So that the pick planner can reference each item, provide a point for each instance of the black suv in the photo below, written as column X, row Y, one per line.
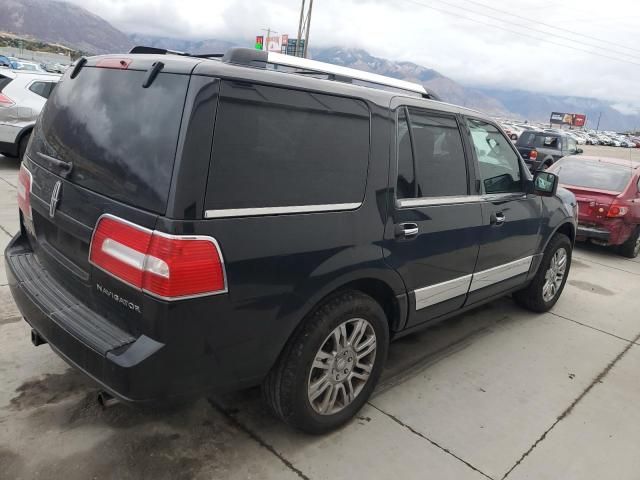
column 192, row 225
column 540, row 150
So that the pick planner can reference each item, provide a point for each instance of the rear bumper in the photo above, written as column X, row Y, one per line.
column 123, row 365
column 9, row 133
column 533, row 166
column 593, row 233
column 614, row 232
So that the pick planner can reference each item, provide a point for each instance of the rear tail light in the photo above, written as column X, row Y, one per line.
column 6, row 101
column 616, row 211
column 533, row 155
column 170, row 267
column 25, row 181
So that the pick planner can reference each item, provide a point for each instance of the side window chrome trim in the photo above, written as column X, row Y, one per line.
column 263, row 211
column 429, row 201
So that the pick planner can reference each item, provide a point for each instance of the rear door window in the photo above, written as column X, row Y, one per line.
column 431, row 160
column 277, row 147
column 121, row 138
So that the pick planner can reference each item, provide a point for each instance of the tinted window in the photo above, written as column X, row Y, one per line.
column 42, row 88
column 499, row 164
column 406, row 186
column 277, row 147
column 439, row 168
column 4, row 81
column 120, row 137
column 39, row 88
column 538, row 140
column 597, row 175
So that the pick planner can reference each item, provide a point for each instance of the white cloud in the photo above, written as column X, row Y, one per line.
column 626, row 109
column 458, row 42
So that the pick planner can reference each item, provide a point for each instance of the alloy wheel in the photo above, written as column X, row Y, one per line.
column 342, row 366
column 555, row 275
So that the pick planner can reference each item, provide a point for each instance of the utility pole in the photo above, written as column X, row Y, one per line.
column 266, row 41
column 304, row 26
column 598, row 126
column 299, row 37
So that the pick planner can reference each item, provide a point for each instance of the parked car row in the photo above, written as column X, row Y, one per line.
column 582, row 137
column 19, row 64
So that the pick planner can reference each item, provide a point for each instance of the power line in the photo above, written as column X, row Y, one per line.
column 483, row 5
column 458, row 15
column 528, row 26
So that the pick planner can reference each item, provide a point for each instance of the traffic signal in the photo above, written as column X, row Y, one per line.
column 259, row 42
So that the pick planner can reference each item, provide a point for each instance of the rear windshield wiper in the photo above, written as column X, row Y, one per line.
column 63, row 167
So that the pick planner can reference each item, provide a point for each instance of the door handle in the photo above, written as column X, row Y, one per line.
column 406, row 230
column 498, row 218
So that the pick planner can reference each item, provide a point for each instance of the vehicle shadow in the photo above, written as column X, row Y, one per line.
column 411, row 355
column 9, row 163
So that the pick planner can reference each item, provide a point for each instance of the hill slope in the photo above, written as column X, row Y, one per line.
column 61, row 22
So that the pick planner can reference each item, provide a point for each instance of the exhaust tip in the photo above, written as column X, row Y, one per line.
column 105, row 400
column 36, row 339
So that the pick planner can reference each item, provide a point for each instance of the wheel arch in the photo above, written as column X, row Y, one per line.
column 383, row 285
column 567, row 228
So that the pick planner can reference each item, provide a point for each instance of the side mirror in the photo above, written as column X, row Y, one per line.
column 545, row 183
column 579, row 151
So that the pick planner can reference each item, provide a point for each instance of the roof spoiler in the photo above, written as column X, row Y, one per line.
column 156, row 51
column 141, row 49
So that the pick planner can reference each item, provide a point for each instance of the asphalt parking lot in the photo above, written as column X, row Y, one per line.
column 495, row 393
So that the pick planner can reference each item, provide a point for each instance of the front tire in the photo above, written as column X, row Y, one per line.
column 331, row 365
column 546, row 287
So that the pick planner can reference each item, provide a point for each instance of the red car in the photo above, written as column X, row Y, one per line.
column 608, row 194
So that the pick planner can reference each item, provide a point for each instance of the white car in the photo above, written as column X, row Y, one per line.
column 29, row 66
column 22, row 97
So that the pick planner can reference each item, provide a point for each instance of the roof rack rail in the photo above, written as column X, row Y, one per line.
column 260, row 58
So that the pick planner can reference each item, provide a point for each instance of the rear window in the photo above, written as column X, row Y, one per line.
column 536, row 140
column 275, row 147
column 120, row 137
column 597, row 175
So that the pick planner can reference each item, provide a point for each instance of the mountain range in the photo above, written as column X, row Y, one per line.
column 50, row 21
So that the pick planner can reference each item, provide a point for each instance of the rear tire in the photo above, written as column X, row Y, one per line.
column 631, row 248
column 22, row 146
column 317, row 385
column 546, row 287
